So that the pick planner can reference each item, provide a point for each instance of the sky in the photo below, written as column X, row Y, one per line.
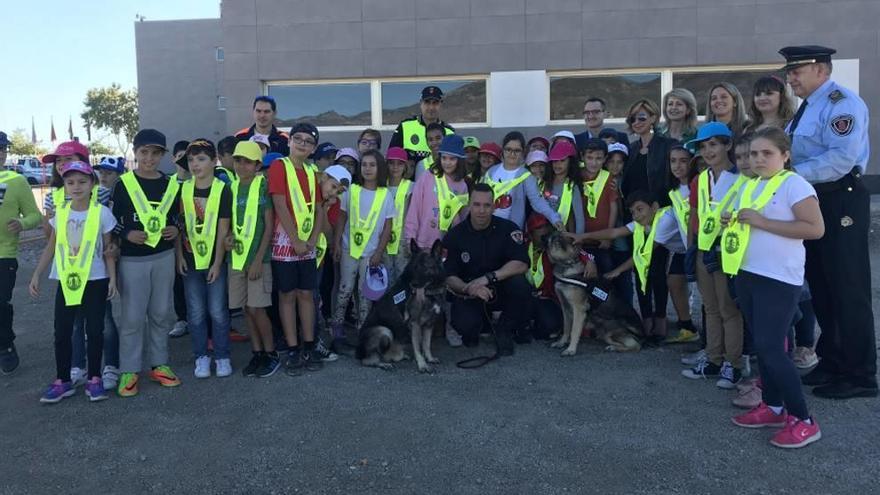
column 54, row 51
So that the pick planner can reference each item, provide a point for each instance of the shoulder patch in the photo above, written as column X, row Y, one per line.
column 836, row 96
column 517, row 236
column 842, row 125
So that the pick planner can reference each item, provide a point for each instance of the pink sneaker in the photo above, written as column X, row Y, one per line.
column 797, row 433
column 761, row 417
column 748, row 399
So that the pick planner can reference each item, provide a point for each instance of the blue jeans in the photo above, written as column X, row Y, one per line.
column 204, row 300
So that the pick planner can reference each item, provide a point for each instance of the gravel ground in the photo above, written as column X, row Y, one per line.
column 533, row 423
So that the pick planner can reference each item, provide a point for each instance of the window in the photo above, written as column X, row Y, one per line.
column 331, row 104
column 568, row 93
column 220, row 55
column 464, row 101
column 700, row 82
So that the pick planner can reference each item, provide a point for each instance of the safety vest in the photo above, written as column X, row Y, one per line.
column 153, row 219
column 244, row 229
column 303, row 211
column 202, row 239
column 501, row 188
column 397, row 223
column 360, row 229
column 59, row 197
column 449, row 202
column 643, row 248
column 414, row 136
column 536, row 269
column 682, row 209
column 564, row 208
column 229, row 173
column 709, row 212
column 593, row 191
column 74, row 269
column 320, row 249
column 427, row 162
column 735, row 239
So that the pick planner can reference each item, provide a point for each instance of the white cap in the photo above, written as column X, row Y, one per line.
column 340, row 173
column 261, row 139
column 536, row 156
column 565, row 134
column 618, row 147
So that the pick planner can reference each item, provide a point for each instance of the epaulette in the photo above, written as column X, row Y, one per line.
column 836, row 96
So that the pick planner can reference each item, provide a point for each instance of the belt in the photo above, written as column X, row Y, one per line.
column 847, row 182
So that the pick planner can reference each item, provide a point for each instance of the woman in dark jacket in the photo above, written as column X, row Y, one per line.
column 647, row 167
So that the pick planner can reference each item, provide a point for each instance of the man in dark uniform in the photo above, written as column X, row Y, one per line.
column 264, row 123
column 410, row 133
column 830, row 149
column 486, row 262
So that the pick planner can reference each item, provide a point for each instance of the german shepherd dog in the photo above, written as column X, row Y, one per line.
column 589, row 301
column 415, row 304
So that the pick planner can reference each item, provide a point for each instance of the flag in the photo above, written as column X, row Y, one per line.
column 33, row 132
column 70, row 127
column 52, row 136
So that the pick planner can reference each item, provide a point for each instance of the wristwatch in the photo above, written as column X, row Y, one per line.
column 491, row 277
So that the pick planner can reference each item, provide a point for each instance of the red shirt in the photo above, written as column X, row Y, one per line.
column 282, row 249
column 603, row 208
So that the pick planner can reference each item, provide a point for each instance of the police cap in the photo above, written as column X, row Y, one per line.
column 432, row 93
column 795, row 56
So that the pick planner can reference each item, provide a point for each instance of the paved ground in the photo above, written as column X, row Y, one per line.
column 534, row 423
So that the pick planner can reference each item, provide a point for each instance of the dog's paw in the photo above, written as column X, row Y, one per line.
column 568, row 352
column 559, row 344
column 426, row 368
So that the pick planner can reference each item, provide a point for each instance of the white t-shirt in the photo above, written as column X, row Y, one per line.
column 366, row 199
column 719, row 188
column 771, row 255
column 75, row 224
column 501, row 174
column 668, row 234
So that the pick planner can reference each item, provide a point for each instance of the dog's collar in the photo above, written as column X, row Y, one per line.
column 597, row 294
column 573, row 281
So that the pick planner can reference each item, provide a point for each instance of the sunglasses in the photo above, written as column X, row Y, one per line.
column 642, row 117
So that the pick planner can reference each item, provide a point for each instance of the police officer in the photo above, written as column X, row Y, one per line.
column 486, row 262
column 830, row 149
column 264, row 123
column 410, row 133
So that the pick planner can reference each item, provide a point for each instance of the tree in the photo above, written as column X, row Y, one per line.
column 98, row 148
column 20, row 144
column 115, row 110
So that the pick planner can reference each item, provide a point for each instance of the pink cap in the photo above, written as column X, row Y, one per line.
column 68, row 148
column 536, row 156
column 77, row 166
column 396, row 153
column 562, row 150
column 492, row 149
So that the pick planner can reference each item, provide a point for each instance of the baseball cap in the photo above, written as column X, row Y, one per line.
column 375, row 283
column 396, row 153
column 149, row 137
column 340, row 173
column 708, row 131
column 619, row 147
column 248, row 149
column 491, row 148
column 432, row 93
column 536, row 156
column 536, row 221
column 112, row 164
column 260, row 139
column 194, row 147
column 179, row 146
column 471, row 142
column 565, row 134
column 539, row 138
column 452, row 145
column 323, row 150
column 271, row 157
column 349, row 152
column 68, row 148
column 306, row 128
column 4, row 140
column 77, row 166
column 562, row 150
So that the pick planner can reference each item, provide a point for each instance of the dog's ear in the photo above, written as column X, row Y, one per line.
column 437, row 249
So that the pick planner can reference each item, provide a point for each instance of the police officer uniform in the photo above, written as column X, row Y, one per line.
column 279, row 141
column 471, row 254
column 410, row 133
column 830, row 149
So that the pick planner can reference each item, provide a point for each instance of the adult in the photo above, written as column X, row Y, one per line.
column 830, row 149
column 264, row 123
column 410, row 133
column 772, row 104
column 724, row 103
column 647, row 166
column 679, row 108
column 594, row 118
column 4, row 148
column 486, row 262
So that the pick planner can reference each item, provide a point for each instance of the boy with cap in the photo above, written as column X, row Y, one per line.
column 324, row 156
column 18, row 212
column 472, row 150
column 109, row 171
column 146, row 208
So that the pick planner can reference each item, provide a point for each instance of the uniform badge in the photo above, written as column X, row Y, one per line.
column 73, row 282
column 307, row 226
column 202, row 248
column 846, row 222
column 842, row 125
column 238, row 246
column 358, row 239
column 731, row 242
column 153, row 225
column 517, row 236
column 414, row 139
column 836, row 96
column 709, row 226
column 447, row 212
column 465, row 257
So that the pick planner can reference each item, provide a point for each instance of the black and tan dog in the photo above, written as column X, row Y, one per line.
column 589, row 301
column 414, row 305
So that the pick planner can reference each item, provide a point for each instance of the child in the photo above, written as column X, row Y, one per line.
column 18, row 212
column 250, row 279
column 490, row 155
column 178, row 154
column 295, row 197
column 472, row 150
column 546, row 312
column 262, row 141
column 333, row 181
column 763, row 246
column 109, row 171
column 400, row 190
column 609, row 135
column 434, row 134
column 367, row 213
column 600, row 199
column 620, row 248
column 370, row 139
column 561, row 189
column 536, row 161
column 741, row 155
column 538, row 143
column 349, row 159
column 324, row 156
column 712, row 192
column 87, row 278
column 225, row 147
column 681, row 172
column 206, row 204
column 146, row 208
column 651, row 224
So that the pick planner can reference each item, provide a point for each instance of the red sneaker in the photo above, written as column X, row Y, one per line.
column 761, row 417
column 797, row 433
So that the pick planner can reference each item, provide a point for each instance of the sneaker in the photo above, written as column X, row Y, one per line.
column 128, row 385
column 683, row 336
column 269, row 365
column 57, row 391
column 703, row 369
column 797, row 433
column 78, row 377
column 312, row 360
column 294, row 363
column 180, row 329
column 110, row 377
column 693, row 359
column 202, row 367
column 224, row 367
column 749, row 398
column 325, row 354
column 453, row 337
column 729, row 377
column 164, row 376
column 8, row 360
column 805, row 357
column 747, row 385
column 761, row 417
column 253, row 364
column 235, row 336
column 95, row 390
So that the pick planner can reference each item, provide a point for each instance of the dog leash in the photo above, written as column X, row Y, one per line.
column 478, row 361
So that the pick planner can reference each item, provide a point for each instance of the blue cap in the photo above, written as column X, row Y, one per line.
column 112, row 164
column 452, row 145
column 271, row 157
column 324, row 149
column 708, row 131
